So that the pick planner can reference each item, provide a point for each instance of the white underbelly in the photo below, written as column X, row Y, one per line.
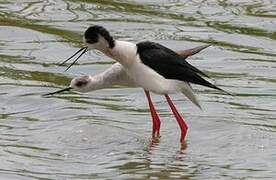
column 150, row 80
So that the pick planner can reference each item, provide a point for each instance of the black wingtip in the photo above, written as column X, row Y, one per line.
column 222, row 90
column 203, row 74
column 203, row 82
column 229, row 93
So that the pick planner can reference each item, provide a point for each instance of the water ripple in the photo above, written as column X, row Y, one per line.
column 106, row 134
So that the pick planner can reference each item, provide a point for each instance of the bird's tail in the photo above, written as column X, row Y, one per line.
column 187, row 90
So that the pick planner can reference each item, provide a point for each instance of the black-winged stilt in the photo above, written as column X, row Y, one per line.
column 149, row 65
column 115, row 75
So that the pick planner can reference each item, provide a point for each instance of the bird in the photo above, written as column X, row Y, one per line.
column 149, row 65
column 115, row 75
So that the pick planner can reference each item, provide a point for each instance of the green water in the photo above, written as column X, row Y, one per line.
column 106, row 134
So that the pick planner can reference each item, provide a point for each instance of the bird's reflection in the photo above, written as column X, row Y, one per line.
column 154, row 142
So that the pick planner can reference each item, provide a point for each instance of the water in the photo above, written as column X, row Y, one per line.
column 106, row 134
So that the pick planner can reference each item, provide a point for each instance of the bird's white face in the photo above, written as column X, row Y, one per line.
column 81, row 84
column 99, row 44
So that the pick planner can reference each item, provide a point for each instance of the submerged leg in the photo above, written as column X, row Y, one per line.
column 155, row 118
column 181, row 122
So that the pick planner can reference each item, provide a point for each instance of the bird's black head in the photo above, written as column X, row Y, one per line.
column 93, row 34
column 95, row 37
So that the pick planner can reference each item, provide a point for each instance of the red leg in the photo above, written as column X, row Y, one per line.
column 155, row 118
column 181, row 122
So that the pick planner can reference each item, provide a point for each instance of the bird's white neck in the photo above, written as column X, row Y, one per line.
column 106, row 79
column 99, row 81
column 123, row 52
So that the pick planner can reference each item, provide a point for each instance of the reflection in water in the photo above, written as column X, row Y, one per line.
column 104, row 134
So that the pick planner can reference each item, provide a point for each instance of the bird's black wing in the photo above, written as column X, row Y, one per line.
column 169, row 64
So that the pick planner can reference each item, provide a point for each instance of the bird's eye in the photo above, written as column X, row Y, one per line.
column 81, row 83
column 89, row 41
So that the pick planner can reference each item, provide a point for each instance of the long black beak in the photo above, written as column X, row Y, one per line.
column 82, row 50
column 56, row 92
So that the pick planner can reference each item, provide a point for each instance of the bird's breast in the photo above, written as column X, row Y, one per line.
column 149, row 79
column 126, row 54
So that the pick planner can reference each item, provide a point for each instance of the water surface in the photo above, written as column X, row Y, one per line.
column 106, row 134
